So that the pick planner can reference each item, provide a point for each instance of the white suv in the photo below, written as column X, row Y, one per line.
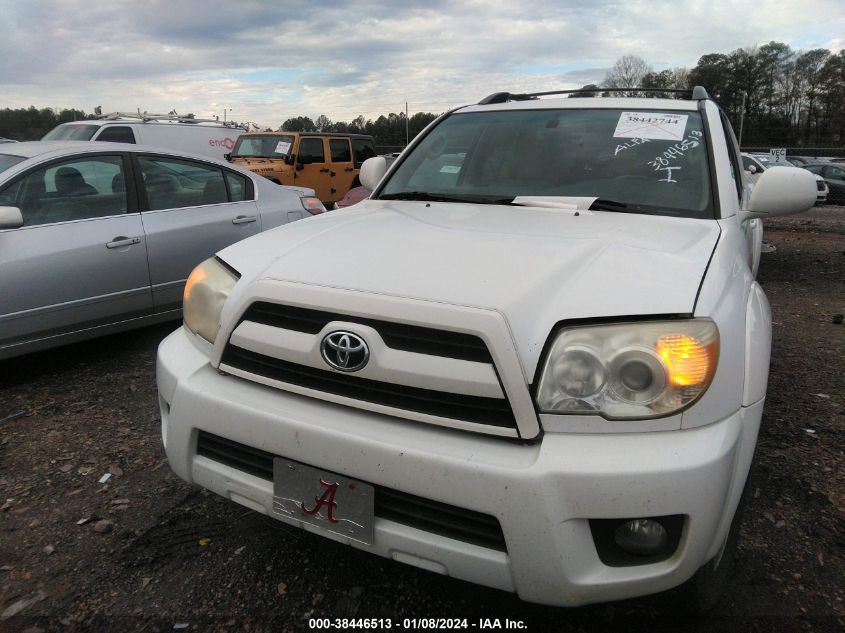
column 535, row 359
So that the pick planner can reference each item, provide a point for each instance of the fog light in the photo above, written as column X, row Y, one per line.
column 642, row 537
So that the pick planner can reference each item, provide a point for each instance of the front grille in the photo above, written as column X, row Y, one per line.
column 477, row 409
column 431, row 516
column 408, row 338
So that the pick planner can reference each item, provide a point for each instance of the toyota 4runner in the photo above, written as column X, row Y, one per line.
column 535, row 359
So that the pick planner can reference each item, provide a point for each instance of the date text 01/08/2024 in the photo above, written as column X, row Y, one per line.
column 343, row 624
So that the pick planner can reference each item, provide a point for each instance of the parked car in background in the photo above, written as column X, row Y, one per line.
column 357, row 194
column 184, row 134
column 800, row 161
column 98, row 238
column 834, row 176
column 535, row 359
column 326, row 162
column 755, row 164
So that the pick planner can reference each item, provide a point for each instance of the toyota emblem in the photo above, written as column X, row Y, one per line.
column 344, row 351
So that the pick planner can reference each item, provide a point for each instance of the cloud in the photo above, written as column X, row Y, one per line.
column 271, row 60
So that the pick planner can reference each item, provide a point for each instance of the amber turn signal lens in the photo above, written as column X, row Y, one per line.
column 687, row 360
column 198, row 275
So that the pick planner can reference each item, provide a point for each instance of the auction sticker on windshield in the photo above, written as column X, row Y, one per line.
column 282, row 147
column 335, row 504
column 651, row 125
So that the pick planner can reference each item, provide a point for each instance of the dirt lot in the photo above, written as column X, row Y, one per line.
column 171, row 557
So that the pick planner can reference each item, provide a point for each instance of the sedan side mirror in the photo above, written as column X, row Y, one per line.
column 752, row 169
column 781, row 191
column 10, row 218
column 372, row 171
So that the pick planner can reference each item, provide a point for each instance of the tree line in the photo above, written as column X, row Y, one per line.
column 775, row 95
column 30, row 124
column 388, row 131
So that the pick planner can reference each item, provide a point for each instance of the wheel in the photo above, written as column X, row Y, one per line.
column 701, row 592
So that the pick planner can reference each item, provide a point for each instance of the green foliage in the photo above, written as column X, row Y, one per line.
column 388, row 131
column 30, row 124
column 298, row 124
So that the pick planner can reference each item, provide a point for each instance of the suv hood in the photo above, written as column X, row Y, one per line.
column 535, row 266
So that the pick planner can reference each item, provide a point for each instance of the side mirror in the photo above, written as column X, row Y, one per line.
column 228, row 156
column 781, row 191
column 752, row 169
column 10, row 218
column 372, row 171
column 289, row 159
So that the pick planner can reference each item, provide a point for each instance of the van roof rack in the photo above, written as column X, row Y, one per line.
column 698, row 93
column 172, row 116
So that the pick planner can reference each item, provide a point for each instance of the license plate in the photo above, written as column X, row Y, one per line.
column 332, row 503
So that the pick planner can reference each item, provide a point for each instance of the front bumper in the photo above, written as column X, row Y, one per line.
column 543, row 494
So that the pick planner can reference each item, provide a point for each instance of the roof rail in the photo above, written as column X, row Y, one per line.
column 146, row 117
column 697, row 93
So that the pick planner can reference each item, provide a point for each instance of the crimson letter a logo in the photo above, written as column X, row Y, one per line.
column 326, row 499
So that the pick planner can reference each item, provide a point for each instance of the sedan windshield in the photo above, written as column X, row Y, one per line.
column 7, row 160
column 69, row 132
column 270, row 146
column 634, row 162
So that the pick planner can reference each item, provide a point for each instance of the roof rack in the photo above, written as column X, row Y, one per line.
column 696, row 93
column 146, row 116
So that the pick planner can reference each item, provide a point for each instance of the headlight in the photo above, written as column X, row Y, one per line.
column 629, row 370
column 206, row 290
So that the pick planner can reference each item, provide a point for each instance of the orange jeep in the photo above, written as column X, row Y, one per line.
column 326, row 162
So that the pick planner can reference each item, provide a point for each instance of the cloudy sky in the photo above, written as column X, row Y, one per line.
column 267, row 61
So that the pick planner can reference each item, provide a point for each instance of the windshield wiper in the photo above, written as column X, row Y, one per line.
column 443, row 197
column 601, row 204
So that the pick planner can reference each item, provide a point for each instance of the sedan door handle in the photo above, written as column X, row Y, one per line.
column 122, row 240
column 244, row 219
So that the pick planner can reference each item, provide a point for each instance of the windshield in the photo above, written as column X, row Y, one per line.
column 70, row 132
column 648, row 162
column 270, row 146
column 7, row 160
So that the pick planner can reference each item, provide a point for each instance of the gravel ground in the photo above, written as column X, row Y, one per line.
column 144, row 551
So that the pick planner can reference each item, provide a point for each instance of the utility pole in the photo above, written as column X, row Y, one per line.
column 407, row 127
column 742, row 118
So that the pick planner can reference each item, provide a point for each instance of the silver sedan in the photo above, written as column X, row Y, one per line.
column 100, row 237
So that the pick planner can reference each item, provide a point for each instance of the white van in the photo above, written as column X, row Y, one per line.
column 198, row 136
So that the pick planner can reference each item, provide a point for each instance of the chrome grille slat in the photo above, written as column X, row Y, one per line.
column 409, row 338
column 480, row 410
